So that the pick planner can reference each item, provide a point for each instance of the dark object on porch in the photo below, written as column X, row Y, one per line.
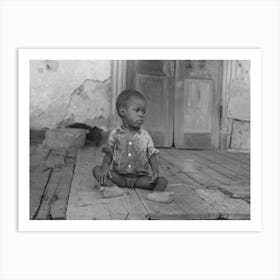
column 94, row 135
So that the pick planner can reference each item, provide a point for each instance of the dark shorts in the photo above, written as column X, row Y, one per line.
column 131, row 182
column 131, row 179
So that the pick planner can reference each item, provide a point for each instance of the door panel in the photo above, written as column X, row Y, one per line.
column 154, row 80
column 197, row 104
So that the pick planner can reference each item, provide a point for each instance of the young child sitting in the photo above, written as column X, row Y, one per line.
column 132, row 151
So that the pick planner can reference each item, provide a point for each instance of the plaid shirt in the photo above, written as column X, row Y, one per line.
column 130, row 155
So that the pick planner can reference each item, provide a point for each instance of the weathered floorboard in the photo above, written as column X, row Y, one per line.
column 185, row 206
column 240, row 157
column 48, row 196
column 55, row 162
column 39, row 177
column 38, row 157
column 204, row 189
column 222, row 174
column 234, row 159
column 178, row 176
column 59, row 205
column 56, row 159
column 230, row 208
column 200, row 174
column 235, row 191
column 224, row 163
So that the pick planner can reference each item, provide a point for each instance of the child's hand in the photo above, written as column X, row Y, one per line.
column 155, row 175
column 103, row 174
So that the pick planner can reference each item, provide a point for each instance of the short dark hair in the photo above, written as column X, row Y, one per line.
column 124, row 97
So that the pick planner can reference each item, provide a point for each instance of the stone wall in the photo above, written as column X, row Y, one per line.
column 236, row 105
column 64, row 92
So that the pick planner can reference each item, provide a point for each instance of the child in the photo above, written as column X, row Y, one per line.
column 132, row 151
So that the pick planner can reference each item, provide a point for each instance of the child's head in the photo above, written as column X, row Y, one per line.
column 131, row 106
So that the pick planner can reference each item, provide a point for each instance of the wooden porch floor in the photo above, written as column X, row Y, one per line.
column 207, row 185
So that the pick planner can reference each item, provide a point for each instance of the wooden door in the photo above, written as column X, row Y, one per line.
column 155, row 80
column 197, row 104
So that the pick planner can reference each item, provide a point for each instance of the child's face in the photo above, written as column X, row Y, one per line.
column 134, row 112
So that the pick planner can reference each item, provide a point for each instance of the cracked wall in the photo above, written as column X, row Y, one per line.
column 64, row 92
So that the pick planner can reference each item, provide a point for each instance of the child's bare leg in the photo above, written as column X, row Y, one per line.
column 159, row 194
column 111, row 187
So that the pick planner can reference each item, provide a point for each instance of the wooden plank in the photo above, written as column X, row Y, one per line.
column 38, row 181
column 233, row 160
column 180, row 176
column 194, row 207
column 230, row 208
column 56, row 159
column 236, row 191
column 225, row 176
column 38, row 158
column 56, row 162
column 186, row 205
column 48, row 196
column 161, row 211
column 200, row 174
column 239, row 157
column 223, row 166
column 59, row 206
column 170, row 172
column 85, row 202
column 39, row 177
column 90, row 206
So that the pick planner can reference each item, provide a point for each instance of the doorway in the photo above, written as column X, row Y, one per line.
column 184, row 98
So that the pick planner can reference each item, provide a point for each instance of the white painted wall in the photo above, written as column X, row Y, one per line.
column 70, row 91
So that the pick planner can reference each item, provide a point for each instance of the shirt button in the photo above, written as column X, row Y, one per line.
column 129, row 166
column 129, row 154
column 129, row 143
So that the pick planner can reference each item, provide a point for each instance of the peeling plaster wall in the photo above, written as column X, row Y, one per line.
column 236, row 105
column 64, row 92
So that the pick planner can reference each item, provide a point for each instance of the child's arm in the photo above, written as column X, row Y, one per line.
column 152, row 154
column 105, row 169
column 107, row 159
column 154, row 166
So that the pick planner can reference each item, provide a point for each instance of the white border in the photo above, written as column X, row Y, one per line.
column 254, row 55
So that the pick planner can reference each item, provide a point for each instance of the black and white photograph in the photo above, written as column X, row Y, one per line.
column 139, row 139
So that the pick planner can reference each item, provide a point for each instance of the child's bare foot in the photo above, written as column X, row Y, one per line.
column 110, row 191
column 162, row 197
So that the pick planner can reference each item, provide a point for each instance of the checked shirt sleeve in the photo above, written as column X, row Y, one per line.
column 151, row 150
column 110, row 145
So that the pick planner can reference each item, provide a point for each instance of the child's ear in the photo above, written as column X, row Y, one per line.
column 122, row 111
